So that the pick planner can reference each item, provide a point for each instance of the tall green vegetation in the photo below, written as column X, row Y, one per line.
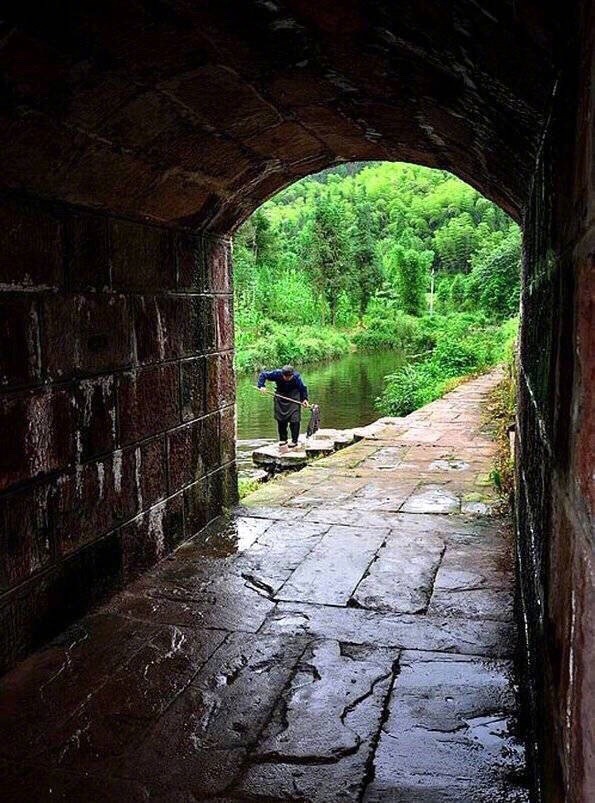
column 365, row 274
column 377, row 255
column 328, row 252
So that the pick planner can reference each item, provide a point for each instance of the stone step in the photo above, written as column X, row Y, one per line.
column 280, row 458
column 274, row 458
column 340, row 437
column 319, row 447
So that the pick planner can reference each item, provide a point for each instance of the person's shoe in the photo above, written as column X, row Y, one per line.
column 293, row 445
column 282, row 443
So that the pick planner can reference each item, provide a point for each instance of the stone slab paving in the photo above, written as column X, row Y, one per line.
column 347, row 634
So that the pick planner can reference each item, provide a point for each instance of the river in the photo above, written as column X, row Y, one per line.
column 345, row 390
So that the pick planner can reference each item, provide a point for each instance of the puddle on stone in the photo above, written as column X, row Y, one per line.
column 449, row 465
column 236, row 535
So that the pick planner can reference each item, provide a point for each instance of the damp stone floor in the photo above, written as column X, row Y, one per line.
column 346, row 635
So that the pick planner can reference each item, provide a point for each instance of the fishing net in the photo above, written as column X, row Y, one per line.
column 314, row 423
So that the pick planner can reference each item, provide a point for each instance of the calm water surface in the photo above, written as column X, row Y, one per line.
column 345, row 389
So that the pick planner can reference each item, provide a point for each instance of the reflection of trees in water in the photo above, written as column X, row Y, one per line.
column 345, row 389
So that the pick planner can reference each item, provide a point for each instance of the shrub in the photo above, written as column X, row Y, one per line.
column 393, row 330
column 274, row 344
column 405, row 390
column 464, row 345
column 247, row 485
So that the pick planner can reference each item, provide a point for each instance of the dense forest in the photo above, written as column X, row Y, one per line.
column 379, row 255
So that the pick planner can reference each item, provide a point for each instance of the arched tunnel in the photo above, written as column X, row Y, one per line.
column 135, row 137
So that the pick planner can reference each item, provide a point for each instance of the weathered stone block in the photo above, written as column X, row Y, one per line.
column 106, row 176
column 23, row 620
column 536, row 344
column 217, row 262
column 228, row 435
column 336, row 673
column 37, row 435
column 196, row 150
column 41, row 149
column 152, row 535
column 136, row 123
column 85, row 334
column 141, row 257
column 244, row 110
column 193, row 373
column 96, row 413
column 25, row 534
column 175, row 196
column 106, row 490
column 148, row 400
column 222, row 491
column 438, row 702
column 79, row 661
column 220, row 382
column 210, row 323
column 180, row 325
column 215, row 495
column 149, row 341
column 196, row 512
column 341, row 135
column 194, row 450
column 84, row 579
column 224, row 313
column 166, row 326
column 230, row 489
column 111, row 491
column 301, row 88
column 150, row 468
column 41, row 607
column 190, row 258
column 20, row 359
column 87, row 252
column 287, row 141
column 31, row 248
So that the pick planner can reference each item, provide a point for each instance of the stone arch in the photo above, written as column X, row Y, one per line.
column 185, row 114
column 134, row 136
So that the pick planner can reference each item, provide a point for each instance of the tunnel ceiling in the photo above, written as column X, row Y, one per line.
column 194, row 112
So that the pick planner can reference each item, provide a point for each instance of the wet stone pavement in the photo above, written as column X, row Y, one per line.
column 346, row 635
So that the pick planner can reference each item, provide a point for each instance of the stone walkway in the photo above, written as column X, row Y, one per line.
column 348, row 635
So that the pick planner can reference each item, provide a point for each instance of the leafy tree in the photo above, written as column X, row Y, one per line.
column 457, row 293
column 366, row 276
column 329, row 252
column 409, row 272
column 493, row 284
column 443, row 302
column 263, row 238
column 455, row 243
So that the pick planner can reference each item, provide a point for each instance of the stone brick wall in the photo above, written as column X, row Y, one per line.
column 555, row 439
column 116, row 406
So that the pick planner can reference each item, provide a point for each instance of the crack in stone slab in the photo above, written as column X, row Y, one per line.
column 296, row 695
column 259, row 586
column 433, row 580
column 370, row 764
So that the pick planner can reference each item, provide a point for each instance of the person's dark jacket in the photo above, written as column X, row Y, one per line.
column 284, row 386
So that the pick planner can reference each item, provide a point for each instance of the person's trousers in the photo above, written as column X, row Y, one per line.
column 294, row 427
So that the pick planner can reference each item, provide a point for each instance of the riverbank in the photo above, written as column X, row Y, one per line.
column 435, row 353
column 273, row 343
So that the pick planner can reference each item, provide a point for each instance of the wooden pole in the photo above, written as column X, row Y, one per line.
column 278, row 395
